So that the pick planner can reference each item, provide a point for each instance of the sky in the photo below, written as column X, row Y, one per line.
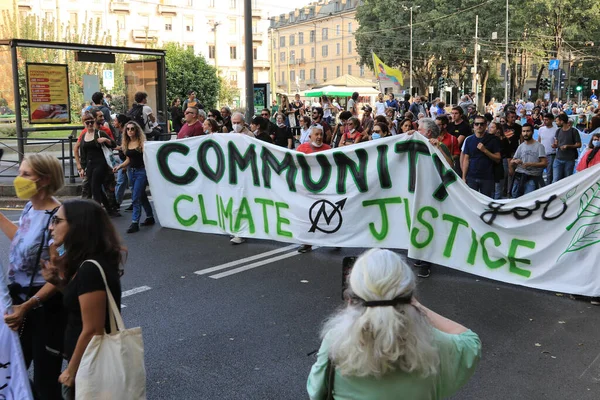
column 277, row 7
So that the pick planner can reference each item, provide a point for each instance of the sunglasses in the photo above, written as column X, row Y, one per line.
column 210, row 115
column 56, row 219
column 89, row 122
column 130, row 128
column 478, row 123
column 264, row 115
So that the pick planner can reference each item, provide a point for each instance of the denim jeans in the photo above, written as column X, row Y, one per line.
column 483, row 186
column 123, row 182
column 550, row 168
column 500, row 187
column 138, row 194
column 562, row 169
column 523, row 184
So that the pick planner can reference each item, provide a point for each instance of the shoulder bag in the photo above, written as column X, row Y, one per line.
column 109, row 156
column 112, row 366
column 330, row 373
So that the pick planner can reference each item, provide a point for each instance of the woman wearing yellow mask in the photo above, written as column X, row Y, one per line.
column 41, row 329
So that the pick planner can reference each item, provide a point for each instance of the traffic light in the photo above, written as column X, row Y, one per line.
column 563, row 76
column 586, row 83
column 545, row 84
column 441, row 82
column 579, row 86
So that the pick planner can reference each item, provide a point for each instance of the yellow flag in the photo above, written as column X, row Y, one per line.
column 385, row 73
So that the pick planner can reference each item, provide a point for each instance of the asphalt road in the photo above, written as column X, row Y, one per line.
column 246, row 334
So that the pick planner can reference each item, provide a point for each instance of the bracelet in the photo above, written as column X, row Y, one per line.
column 39, row 301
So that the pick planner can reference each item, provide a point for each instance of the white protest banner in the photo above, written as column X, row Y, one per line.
column 394, row 193
column 14, row 381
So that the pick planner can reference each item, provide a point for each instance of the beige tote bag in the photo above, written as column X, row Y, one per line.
column 112, row 367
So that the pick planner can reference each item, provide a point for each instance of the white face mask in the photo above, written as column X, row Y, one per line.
column 237, row 127
column 596, row 143
column 316, row 145
column 352, row 130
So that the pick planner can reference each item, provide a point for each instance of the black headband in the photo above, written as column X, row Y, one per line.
column 383, row 303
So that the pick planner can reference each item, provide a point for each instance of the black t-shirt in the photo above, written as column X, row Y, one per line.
column 513, row 134
column 282, row 134
column 462, row 129
column 87, row 280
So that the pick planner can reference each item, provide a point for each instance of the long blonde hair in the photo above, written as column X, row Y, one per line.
column 373, row 341
column 139, row 135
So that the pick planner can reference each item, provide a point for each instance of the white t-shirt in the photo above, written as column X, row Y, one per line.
column 305, row 135
column 326, row 110
column 546, row 136
column 379, row 108
column 350, row 105
column 433, row 111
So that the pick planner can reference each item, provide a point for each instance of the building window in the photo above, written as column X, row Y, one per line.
column 255, row 53
column 302, row 74
column 211, row 3
column 121, row 21
column 168, row 24
column 325, row 33
column 337, row 30
column 312, row 52
column 282, row 41
column 350, row 47
column 282, row 56
column 324, row 74
column 349, row 27
column 73, row 20
column 211, row 52
column 313, row 34
column 255, row 27
column 292, row 40
column 301, row 38
column 233, row 53
column 338, row 71
column 49, row 16
column 349, row 69
column 313, row 74
column 338, row 49
column 283, row 76
column 362, row 70
column 325, row 50
column 233, row 76
column 189, row 24
column 232, row 26
column 302, row 55
column 292, row 57
column 232, row 3
column 534, row 70
column 292, row 76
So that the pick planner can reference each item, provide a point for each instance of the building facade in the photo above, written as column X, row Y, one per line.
column 314, row 44
column 212, row 28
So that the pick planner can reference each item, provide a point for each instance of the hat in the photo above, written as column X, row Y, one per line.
column 367, row 108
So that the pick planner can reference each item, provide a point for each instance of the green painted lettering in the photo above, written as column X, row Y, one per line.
column 265, row 203
column 381, row 235
column 205, row 219
column 227, row 212
column 415, row 231
column 456, row 222
column 486, row 257
column 473, row 250
column 185, row 222
column 281, row 220
column 512, row 260
column 244, row 213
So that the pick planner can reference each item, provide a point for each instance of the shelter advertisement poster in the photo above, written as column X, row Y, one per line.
column 48, row 93
column 396, row 192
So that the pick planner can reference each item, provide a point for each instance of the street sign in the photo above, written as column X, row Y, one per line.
column 108, row 79
column 553, row 65
column 594, row 84
column 546, row 96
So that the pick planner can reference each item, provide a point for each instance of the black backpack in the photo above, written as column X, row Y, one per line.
column 137, row 114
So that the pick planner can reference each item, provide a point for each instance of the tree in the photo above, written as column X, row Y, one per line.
column 188, row 71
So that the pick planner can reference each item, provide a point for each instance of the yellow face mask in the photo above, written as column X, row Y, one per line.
column 25, row 188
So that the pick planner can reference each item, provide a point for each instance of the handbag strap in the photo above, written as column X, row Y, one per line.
column 40, row 249
column 113, row 311
column 330, row 372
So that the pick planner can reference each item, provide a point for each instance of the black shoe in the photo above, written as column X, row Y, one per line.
column 114, row 213
column 148, row 221
column 134, row 227
column 424, row 271
column 130, row 208
column 305, row 248
column 418, row 264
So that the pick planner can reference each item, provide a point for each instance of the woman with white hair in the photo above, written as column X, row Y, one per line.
column 385, row 345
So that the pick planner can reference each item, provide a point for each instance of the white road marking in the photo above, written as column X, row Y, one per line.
column 257, row 264
column 135, row 291
column 245, row 260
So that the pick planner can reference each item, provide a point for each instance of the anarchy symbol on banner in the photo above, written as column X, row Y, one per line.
column 326, row 216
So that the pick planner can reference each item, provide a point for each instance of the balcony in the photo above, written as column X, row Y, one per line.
column 300, row 61
column 25, row 5
column 256, row 13
column 311, row 81
column 282, row 83
column 144, row 35
column 119, row 6
column 258, row 64
column 167, row 9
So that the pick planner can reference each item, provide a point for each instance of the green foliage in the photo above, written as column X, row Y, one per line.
column 188, row 71
column 228, row 91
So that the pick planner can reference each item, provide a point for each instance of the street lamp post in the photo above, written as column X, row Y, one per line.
column 506, row 73
column 410, row 72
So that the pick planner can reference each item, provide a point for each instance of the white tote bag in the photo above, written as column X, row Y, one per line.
column 112, row 366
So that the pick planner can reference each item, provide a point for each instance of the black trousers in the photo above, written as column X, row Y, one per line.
column 96, row 172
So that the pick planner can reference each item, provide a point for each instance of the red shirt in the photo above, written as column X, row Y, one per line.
column 308, row 148
column 452, row 144
column 104, row 129
column 583, row 164
column 196, row 129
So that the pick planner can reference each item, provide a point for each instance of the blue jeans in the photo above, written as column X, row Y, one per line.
column 550, row 168
column 523, row 184
column 123, row 182
column 483, row 186
column 562, row 169
column 500, row 186
column 138, row 194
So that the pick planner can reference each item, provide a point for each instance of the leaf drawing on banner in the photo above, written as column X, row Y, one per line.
column 570, row 194
column 587, row 235
column 589, row 204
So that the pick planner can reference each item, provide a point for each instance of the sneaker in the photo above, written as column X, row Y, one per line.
column 114, row 213
column 148, row 221
column 134, row 227
column 424, row 271
column 595, row 301
column 237, row 240
column 130, row 208
column 305, row 248
column 418, row 264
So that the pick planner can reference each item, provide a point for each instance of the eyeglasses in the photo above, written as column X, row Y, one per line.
column 478, row 123
column 89, row 122
column 56, row 219
column 210, row 115
column 264, row 115
column 130, row 128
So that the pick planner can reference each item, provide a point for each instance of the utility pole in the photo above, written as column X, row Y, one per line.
column 411, row 50
column 272, row 65
column 214, row 29
column 289, row 88
column 249, row 60
column 475, row 61
column 506, row 70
